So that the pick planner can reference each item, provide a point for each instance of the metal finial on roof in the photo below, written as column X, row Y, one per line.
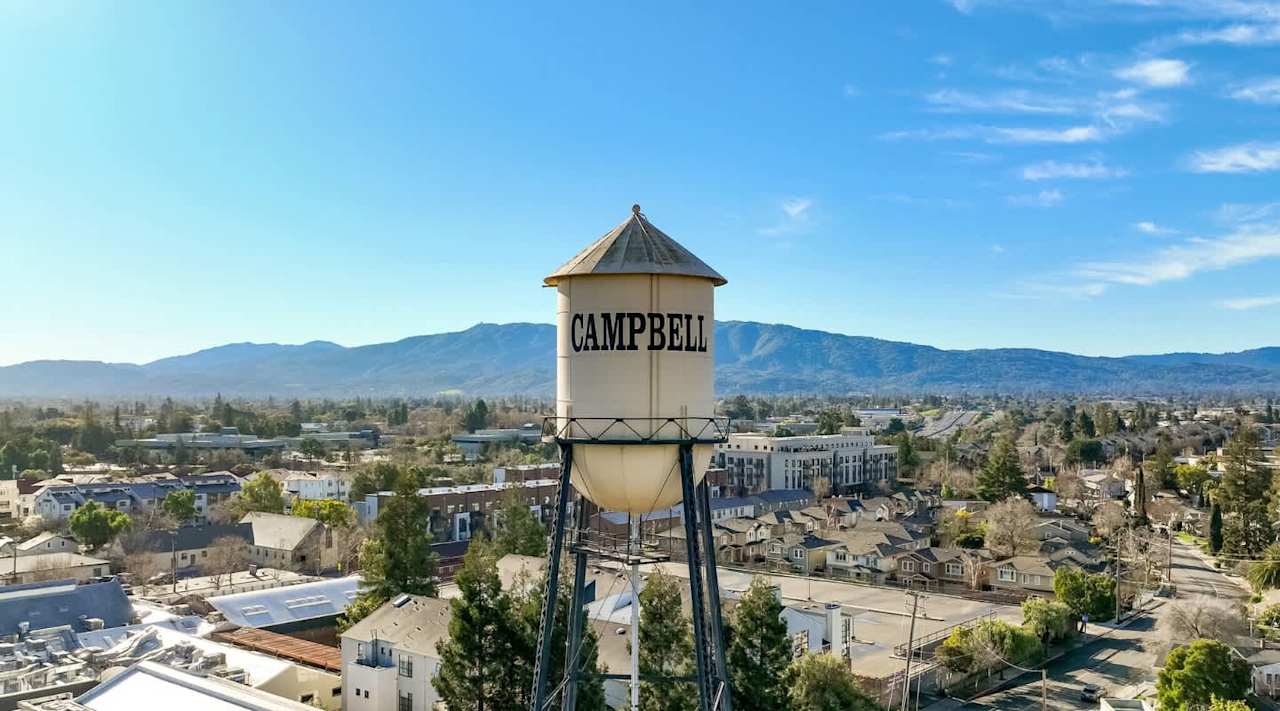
column 635, row 247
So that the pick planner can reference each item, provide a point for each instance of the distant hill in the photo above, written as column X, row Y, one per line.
column 518, row 358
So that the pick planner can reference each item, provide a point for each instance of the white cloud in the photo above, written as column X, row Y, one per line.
column 1240, row 35
column 796, row 217
column 1247, row 244
column 1255, row 157
column 1259, row 91
column 964, row 6
column 1017, row 101
column 942, row 60
column 1159, row 73
column 1147, row 227
column 919, row 201
column 1251, row 302
column 1044, row 198
column 1075, row 134
column 851, row 91
column 796, row 207
column 997, row 249
column 1239, row 213
column 1050, row 170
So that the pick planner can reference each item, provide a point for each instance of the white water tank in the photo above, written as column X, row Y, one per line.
column 635, row 328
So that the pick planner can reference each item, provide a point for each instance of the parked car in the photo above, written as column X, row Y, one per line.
column 1090, row 692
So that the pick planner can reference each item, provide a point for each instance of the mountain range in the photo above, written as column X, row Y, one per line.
column 756, row 358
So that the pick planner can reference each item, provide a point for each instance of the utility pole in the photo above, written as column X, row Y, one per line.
column 1044, row 689
column 635, row 612
column 911, row 636
column 1117, row 574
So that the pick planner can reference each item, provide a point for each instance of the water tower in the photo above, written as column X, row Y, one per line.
column 635, row 422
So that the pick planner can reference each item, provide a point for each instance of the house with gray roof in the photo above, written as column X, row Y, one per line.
column 390, row 658
column 291, row 542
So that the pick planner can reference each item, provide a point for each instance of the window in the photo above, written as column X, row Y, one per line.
column 1008, row 575
column 955, row 569
column 406, row 701
column 909, row 565
column 366, row 693
column 797, row 553
column 337, row 691
column 406, row 665
column 306, row 698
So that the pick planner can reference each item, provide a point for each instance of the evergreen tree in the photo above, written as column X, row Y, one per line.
column 1197, row 673
column 1243, row 495
column 759, row 650
column 1001, row 475
column 825, row 683
column 665, row 647
column 475, row 662
column 1084, row 424
column 262, row 493
column 519, row 530
column 398, row 557
column 1215, row 528
column 590, row 683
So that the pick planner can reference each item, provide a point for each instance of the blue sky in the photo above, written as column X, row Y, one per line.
column 1095, row 176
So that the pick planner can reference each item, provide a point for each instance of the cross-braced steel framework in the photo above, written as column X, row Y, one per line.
column 711, row 678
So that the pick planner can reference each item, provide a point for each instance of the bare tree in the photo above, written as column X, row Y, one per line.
column 227, row 555
column 1109, row 518
column 1068, row 486
column 1010, row 527
column 348, row 541
column 1205, row 616
column 141, row 566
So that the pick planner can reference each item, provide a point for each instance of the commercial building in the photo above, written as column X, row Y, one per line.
column 52, row 566
column 291, row 542
column 459, row 511
column 473, row 444
column 846, row 463
column 306, row 611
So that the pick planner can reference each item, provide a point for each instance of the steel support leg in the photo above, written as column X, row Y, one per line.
column 573, row 641
column 720, row 689
column 689, row 511
column 552, row 590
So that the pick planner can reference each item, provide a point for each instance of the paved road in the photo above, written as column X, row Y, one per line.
column 1124, row 657
column 946, row 423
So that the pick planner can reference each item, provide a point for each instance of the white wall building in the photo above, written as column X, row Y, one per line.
column 390, row 658
column 849, row 462
column 317, row 486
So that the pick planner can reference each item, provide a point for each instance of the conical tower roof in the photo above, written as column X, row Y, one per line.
column 635, row 247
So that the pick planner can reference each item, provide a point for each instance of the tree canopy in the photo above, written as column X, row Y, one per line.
column 335, row 514
column 1091, row 594
column 261, row 493
column 95, row 525
column 665, row 646
column 180, row 505
column 1194, row 674
column 1001, row 475
column 759, row 652
column 823, row 682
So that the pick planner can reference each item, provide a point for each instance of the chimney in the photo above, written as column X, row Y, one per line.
column 835, row 629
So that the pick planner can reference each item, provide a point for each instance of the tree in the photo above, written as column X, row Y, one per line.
column 1081, row 451
column 590, row 695
column 397, row 557
column 1085, row 593
column 1068, row 485
column 142, row 565
column 1010, row 527
column 334, row 514
column 665, row 647
column 1265, row 574
column 312, row 449
column 1190, row 478
column 759, row 650
column 519, row 530
column 94, row 525
column 1243, row 495
column 1194, row 674
column 476, row 417
column 830, row 422
column 1109, row 518
column 908, row 458
column 995, row 643
column 261, row 493
column 823, row 682
column 1228, row 705
column 1049, row 621
column 1215, row 528
column 1001, row 476
column 227, row 555
column 1204, row 616
column 180, row 506
column 1084, row 425
column 483, row 639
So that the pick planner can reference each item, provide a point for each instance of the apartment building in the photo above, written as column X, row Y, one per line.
column 845, row 463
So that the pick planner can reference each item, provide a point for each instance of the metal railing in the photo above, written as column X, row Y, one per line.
column 920, row 643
